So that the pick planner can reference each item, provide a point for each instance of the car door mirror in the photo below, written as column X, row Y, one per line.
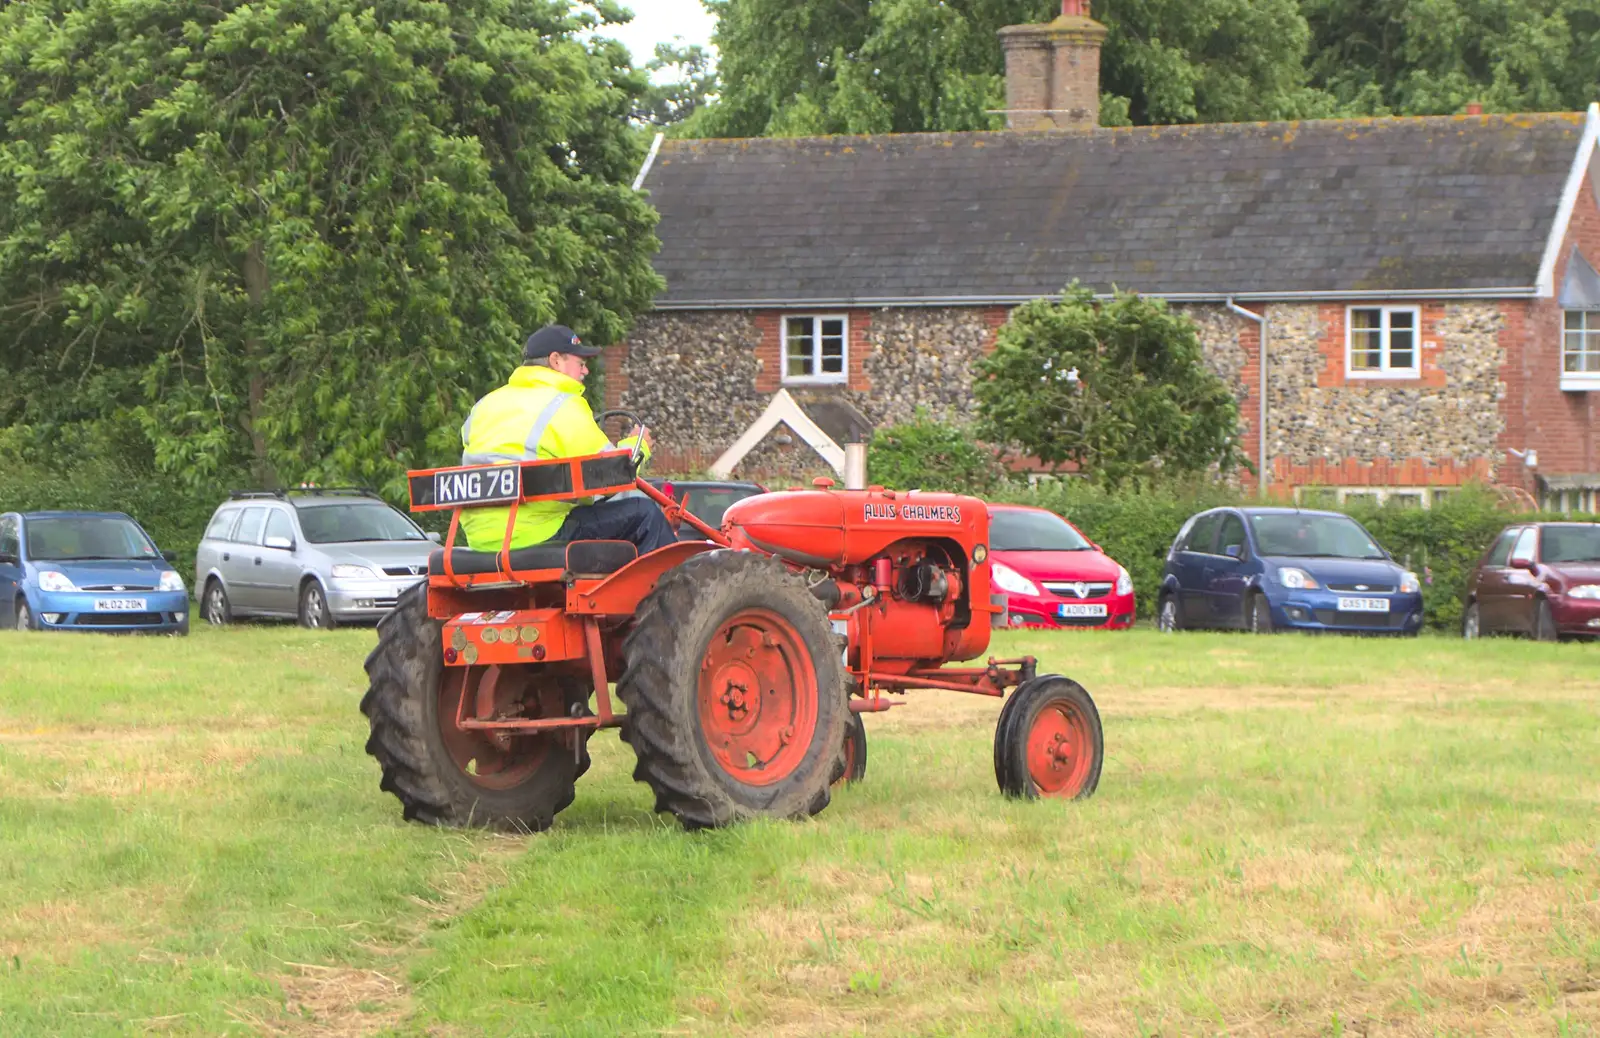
column 8, row 559
column 281, row 543
column 170, row 556
column 433, row 535
column 1527, row 564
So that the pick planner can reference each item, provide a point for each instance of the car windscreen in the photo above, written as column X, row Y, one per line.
column 1033, row 531
column 1572, row 543
column 710, row 504
column 71, row 538
column 342, row 524
column 1313, row 537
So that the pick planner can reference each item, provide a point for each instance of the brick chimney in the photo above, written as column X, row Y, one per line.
column 1053, row 71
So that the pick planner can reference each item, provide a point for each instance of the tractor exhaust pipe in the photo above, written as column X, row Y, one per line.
column 855, row 466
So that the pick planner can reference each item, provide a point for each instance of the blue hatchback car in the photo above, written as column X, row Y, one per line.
column 1267, row 569
column 87, row 571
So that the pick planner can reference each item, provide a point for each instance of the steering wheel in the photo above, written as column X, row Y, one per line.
column 638, row 446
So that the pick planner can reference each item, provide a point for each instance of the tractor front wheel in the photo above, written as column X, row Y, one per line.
column 1049, row 742
column 855, row 751
column 735, row 692
column 444, row 775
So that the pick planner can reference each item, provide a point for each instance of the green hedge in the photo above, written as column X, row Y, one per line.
column 1441, row 544
column 175, row 515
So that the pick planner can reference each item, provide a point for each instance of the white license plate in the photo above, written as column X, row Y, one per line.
column 119, row 605
column 485, row 485
column 1074, row 611
column 1363, row 605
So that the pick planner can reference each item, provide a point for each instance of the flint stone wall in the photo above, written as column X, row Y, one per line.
column 1315, row 413
column 695, row 376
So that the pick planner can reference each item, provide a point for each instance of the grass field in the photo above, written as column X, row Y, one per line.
column 1292, row 836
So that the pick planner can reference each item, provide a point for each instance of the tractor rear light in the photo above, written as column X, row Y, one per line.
column 450, row 655
column 538, row 652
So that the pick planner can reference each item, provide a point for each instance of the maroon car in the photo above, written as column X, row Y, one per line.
column 1537, row 579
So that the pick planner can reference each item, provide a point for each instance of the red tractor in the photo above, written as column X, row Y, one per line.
column 744, row 660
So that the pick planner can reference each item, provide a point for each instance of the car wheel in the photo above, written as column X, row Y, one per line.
column 24, row 617
column 1472, row 622
column 1261, row 615
column 314, row 612
column 218, row 611
column 1544, row 622
column 1167, row 615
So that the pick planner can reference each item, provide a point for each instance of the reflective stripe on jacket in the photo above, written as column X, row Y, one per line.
column 539, row 413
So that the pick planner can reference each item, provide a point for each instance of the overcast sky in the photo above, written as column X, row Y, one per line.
column 658, row 21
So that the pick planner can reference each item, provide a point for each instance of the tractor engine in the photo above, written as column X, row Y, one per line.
column 901, row 573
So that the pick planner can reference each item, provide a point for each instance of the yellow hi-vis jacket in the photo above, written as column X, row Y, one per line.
column 539, row 414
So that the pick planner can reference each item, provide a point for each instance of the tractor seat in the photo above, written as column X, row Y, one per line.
column 584, row 558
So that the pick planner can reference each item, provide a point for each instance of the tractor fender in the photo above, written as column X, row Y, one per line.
column 620, row 593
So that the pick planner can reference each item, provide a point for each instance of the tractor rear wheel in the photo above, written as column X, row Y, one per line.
column 1048, row 742
column 443, row 775
column 735, row 693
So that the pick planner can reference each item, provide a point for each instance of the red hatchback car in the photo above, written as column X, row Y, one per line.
column 1052, row 575
column 1537, row 579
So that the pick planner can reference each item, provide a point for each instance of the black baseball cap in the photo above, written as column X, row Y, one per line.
column 556, row 338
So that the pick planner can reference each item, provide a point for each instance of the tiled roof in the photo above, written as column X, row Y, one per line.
column 1381, row 205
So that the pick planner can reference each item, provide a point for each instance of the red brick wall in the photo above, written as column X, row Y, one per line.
column 1563, row 427
column 1398, row 472
column 770, row 324
column 1334, row 340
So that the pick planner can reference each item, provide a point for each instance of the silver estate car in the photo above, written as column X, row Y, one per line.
column 323, row 557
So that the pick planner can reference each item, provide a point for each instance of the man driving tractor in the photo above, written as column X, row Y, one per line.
column 540, row 414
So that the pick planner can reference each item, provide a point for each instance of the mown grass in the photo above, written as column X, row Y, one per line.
column 1292, row 836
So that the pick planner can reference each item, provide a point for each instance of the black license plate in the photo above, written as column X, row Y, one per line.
column 489, row 485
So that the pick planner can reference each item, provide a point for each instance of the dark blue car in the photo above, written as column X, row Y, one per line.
column 1267, row 569
column 87, row 571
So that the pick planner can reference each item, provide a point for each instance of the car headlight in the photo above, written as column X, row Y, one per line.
column 53, row 580
column 170, row 581
column 1009, row 580
column 1296, row 579
column 345, row 571
column 1124, row 581
column 1410, row 584
column 1585, row 591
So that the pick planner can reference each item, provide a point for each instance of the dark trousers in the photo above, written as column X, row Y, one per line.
column 636, row 519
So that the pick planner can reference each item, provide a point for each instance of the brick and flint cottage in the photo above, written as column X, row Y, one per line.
column 1402, row 306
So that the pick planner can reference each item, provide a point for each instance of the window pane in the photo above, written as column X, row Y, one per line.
column 800, row 362
column 249, row 531
column 1402, row 349
column 832, row 356
column 834, row 328
column 278, row 525
column 1366, row 340
column 1574, row 320
column 220, row 526
column 1402, row 339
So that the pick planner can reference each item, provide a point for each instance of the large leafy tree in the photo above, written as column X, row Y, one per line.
column 820, row 66
column 1119, row 390
column 1425, row 57
column 298, row 237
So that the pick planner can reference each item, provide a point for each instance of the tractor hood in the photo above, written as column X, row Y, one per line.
column 829, row 528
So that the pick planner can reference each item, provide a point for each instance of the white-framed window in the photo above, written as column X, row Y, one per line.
column 1404, row 497
column 816, row 348
column 1383, row 342
column 1580, row 350
column 1581, row 500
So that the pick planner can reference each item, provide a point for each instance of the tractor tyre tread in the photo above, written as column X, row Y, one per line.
column 400, row 703
column 659, row 685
